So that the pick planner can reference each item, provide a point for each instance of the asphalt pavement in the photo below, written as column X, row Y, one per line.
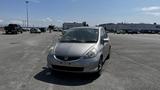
column 134, row 64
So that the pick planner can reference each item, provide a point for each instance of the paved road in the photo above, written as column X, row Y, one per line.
column 135, row 64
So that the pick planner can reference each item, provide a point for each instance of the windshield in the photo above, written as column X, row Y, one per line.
column 81, row 35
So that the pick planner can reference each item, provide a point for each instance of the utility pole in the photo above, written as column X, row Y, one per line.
column 27, row 13
column 24, row 23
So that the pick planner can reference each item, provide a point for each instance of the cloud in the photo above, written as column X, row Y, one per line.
column 60, row 21
column 1, row 20
column 48, row 19
column 35, row 1
column 153, row 13
column 16, row 22
column 152, row 10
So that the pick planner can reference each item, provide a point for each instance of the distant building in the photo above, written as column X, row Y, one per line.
column 74, row 24
column 128, row 27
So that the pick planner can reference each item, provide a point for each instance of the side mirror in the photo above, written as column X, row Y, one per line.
column 61, row 35
column 59, row 38
column 106, row 40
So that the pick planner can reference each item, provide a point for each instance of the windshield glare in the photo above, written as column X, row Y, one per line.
column 81, row 35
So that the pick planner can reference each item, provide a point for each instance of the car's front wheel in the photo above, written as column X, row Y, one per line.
column 108, row 56
column 100, row 67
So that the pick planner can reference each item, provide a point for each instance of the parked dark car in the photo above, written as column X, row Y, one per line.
column 13, row 29
column 51, row 27
column 120, row 32
column 43, row 29
column 132, row 31
column 56, row 29
column 147, row 31
column 35, row 30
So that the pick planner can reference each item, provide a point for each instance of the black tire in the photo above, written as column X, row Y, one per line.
column 108, row 56
column 100, row 67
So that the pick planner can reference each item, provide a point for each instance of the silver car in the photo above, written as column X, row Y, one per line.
column 80, row 50
column 35, row 30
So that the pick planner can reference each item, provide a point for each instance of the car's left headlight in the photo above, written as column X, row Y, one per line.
column 90, row 54
column 52, row 51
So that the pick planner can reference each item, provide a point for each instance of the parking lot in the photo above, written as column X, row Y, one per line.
column 134, row 64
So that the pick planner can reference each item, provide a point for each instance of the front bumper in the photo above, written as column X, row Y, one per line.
column 77, row 66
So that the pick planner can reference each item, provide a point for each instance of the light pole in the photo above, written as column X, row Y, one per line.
column 27, row 13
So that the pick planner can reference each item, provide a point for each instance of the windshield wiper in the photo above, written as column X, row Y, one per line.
column 90, row 41
column 79, row 41
column 76, row 41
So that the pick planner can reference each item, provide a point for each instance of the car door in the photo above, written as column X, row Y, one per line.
column 106, row 44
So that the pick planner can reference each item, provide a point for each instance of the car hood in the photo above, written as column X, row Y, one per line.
column 72, row 49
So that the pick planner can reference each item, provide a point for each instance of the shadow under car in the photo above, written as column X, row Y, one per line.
column 66, row 79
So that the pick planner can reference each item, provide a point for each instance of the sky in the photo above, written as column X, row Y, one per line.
column 45, row 12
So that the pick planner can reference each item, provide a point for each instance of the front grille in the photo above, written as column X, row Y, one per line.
column 67, row 68
column 67, row 58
